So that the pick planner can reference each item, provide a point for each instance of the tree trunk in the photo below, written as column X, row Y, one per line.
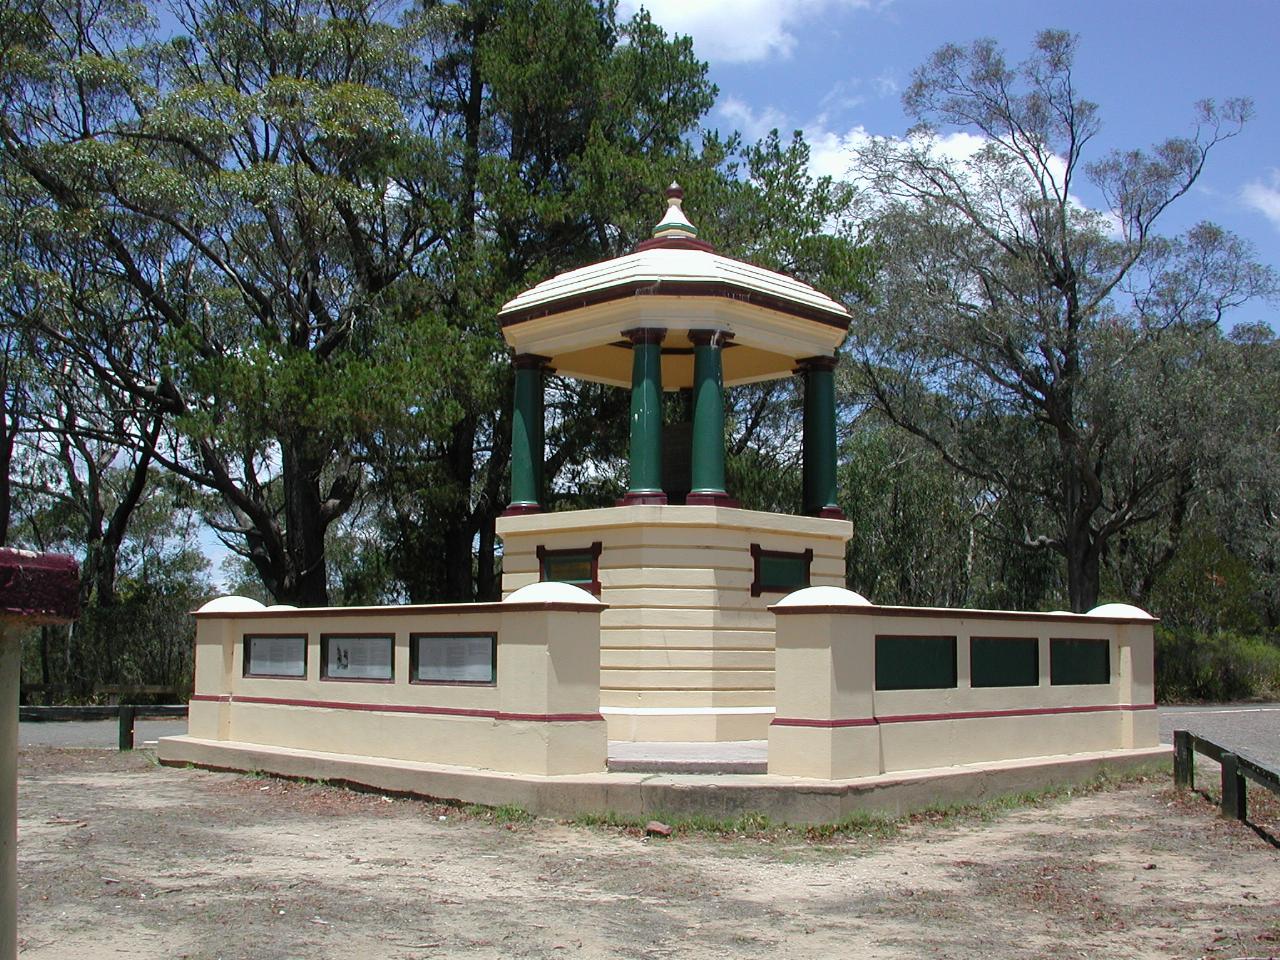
column 305, row 582
column 460, row 530
column 1082, row 557
column 487, row 587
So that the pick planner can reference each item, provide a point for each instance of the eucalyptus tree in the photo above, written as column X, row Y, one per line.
column 1242, row 496
column 558, row 126
column 255, row 185
column 1043, row 347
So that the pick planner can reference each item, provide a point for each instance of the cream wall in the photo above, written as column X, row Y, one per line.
column 542, row 716
column 686, row 653
column 832, row 723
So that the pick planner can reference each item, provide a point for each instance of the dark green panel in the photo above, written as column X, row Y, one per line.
column 568, row 568
column 915, row 663
column 1079, row 661
column 779, row 572
column 1004, row 661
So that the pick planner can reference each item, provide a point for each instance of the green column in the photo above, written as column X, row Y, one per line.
column 527, row 453
column 708, row 418
column 820, row 437
column 645, row 484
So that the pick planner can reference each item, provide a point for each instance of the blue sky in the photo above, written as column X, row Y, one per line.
column 836, row 70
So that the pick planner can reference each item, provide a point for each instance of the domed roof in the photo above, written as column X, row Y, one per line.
column 674, row 263
column 673, row 281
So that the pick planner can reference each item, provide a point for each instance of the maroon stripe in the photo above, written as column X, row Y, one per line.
column 427, row 710
column 1027, row 712
column 211, row 697
column 799, row 722
column 552, row 717
column 967, row 715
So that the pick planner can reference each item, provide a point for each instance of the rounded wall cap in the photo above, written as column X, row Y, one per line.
column 1065, row 613
column 1124, row 610
column 551, row 591
column 282, row 606
column 231, row 605
column 823, row 597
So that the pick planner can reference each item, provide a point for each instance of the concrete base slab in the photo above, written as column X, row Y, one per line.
column 740, row 756
column 640, row 795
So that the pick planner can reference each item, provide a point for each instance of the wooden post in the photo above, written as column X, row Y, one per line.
column 1233, row 788
column 34, row 589
column 1184, row 760
column 127, row 714
column 10, row 663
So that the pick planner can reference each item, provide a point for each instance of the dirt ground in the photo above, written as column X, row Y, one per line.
column 119, row 857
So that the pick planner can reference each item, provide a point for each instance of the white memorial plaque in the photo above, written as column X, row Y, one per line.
column 453, row 659
column 276, row 656
column 358, row 658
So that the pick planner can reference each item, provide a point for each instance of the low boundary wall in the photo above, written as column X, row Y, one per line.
column 864, row 690
column 511, row 686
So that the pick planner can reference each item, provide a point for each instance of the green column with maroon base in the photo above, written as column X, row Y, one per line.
column 819, row 475
column 645, row 481
column 527, row 441
column 708, row 419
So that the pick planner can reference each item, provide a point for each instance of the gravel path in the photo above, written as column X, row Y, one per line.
column 118, row 857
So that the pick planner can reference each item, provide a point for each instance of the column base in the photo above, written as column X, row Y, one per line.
column 643, row 496
column 830, row 512
column 710, row 498
column 521, row 509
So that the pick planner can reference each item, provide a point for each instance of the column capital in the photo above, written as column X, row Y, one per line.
column 639, row 335
column 530, row 361
column 709, row 338
column 805, row 364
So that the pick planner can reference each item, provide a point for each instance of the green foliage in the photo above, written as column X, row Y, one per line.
column 1206, row 589
column 1215, row 667
column 1059, row 365
column 914, row 520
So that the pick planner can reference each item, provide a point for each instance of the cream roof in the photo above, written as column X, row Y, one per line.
column 676, row 266
column 678, row 283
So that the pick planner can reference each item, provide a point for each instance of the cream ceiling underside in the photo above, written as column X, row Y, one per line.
column 588, row 343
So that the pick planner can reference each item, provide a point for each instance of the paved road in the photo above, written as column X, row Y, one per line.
column 1253, row 730
column 94, row 733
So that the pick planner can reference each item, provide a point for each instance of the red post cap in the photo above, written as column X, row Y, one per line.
column 38, row 587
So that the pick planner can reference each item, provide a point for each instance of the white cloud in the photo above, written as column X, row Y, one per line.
column 738, row 31
column 1264, row 197
column 753, row 124
column 835, row 155
column 886, row 85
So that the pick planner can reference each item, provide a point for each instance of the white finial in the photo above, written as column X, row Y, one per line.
column 675, row 223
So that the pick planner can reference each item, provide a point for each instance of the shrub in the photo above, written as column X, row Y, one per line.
column 1218, row 666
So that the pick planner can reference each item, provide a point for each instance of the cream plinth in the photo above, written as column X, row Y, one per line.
column 686, row 651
